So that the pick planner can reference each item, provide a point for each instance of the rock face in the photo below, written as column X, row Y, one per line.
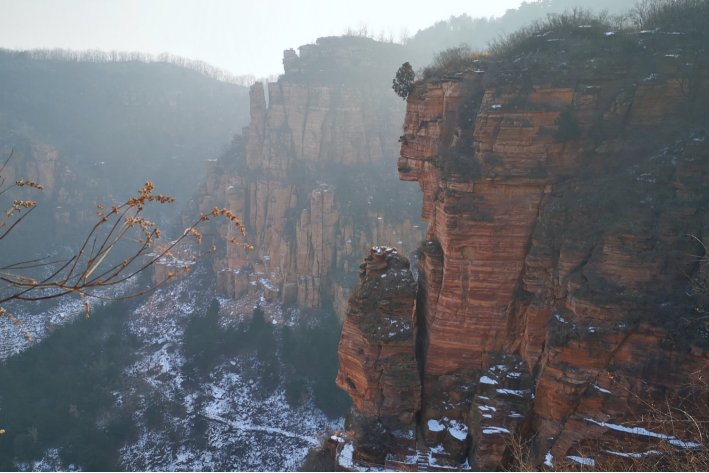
column 552, row 299
column 312, row 179
column 33, row 161
column 377, row 359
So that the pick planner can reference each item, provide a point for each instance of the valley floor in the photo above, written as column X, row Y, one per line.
column 226, row 420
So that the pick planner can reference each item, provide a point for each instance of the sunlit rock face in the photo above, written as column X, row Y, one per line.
column 556, row 268
column 313, row 178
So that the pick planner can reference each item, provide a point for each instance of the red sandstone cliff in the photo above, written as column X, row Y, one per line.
column 377, row 360
column 555, row 270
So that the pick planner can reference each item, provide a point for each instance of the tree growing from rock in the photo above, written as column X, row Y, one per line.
column 404, row 81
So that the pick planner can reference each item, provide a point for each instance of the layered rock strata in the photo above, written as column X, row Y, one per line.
column 312, row 179
column 534, row 295
column 378, row 362
column 554, row 300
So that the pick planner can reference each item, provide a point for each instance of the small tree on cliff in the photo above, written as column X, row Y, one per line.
column 404, row 81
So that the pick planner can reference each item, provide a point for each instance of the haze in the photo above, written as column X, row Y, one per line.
column 244, row 37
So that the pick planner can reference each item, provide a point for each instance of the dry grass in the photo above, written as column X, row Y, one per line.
column 679, row 440
column 689, row 17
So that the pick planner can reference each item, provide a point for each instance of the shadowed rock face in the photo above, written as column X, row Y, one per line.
column 377, row 359
column 556, row 269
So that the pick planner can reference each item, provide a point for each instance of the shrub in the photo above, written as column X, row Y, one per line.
column 296, row 391
column 689, row 16
column 568, row 127
column 679, row 443
column 554, row 26
column 453, row 59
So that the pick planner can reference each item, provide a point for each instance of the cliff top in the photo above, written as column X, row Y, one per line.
column 347, row 60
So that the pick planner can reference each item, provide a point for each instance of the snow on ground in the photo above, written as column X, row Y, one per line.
column 232, row 312
column 246, row 429
column 49, row 462
column 642, row 431
column 435, row 426
column 40, row 321
column 582, row 460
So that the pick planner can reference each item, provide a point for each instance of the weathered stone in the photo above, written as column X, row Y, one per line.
column 302, row 237
column 377, row 360
column 533, row 279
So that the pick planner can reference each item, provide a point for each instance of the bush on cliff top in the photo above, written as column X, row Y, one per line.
column 455, row 59
column 689, row 17
column 581, row 32
column 577, row 22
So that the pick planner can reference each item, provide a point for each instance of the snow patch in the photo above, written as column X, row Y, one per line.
column 345, row 458
column 435, row 426
column 458, row 430
column 495, row 430
column 582, row 460
column 601, row 389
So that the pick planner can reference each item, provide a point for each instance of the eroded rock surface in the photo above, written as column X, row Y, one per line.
column 312, row 178
column 553, row 283
column 377, row 359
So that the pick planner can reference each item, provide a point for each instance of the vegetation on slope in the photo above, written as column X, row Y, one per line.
column 121, row 123
column 561, row 45
column 300, row 357
column 58, row 394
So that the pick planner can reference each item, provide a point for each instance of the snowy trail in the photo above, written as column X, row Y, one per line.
column 261, row 428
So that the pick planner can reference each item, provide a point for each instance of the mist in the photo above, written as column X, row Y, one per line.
column 354, row 236
column 244, row 37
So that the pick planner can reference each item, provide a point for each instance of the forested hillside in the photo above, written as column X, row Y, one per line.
column 95, row 131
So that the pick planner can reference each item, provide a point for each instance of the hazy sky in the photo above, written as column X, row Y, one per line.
column 241, row 36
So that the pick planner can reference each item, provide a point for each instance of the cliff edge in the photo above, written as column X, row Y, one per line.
column 567, row 213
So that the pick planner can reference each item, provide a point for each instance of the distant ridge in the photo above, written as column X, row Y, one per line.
column 97, row 55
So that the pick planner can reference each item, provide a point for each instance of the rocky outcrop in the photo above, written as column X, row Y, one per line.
column 377, row 359
column 29, row 160
column 553, row 284
column 33, row 162
column 312, row 180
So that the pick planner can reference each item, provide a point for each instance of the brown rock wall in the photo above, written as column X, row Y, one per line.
column 377, row 359
column 307, row 234
column 553, row 267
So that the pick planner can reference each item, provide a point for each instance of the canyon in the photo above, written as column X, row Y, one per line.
column 543, row 286
column 312, row 177
column 557, row 281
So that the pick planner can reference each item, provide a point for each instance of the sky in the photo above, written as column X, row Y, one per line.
column 244, row 37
